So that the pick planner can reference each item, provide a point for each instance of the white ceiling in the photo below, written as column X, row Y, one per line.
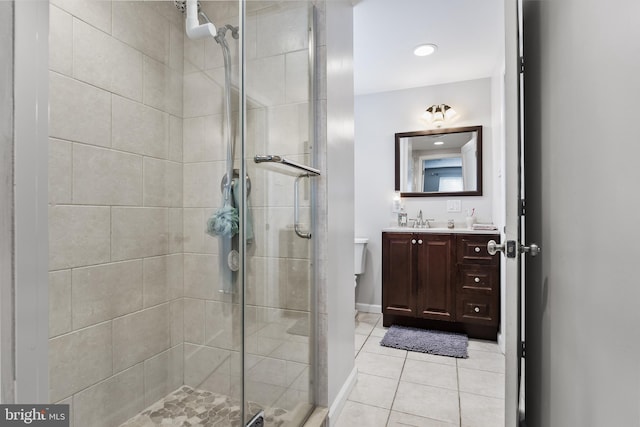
column 469, row 35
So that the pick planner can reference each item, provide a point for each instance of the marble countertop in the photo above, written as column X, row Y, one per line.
column 456, row 230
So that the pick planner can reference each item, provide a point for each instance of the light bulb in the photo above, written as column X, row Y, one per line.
column 450, row 113
column 425, row 49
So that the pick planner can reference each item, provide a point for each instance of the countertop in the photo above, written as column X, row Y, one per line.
column 440, row 230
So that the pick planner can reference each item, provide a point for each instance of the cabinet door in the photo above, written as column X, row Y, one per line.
column 435, row 276
column 397, row 274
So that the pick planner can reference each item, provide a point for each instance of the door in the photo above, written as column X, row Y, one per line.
column 582, row 206
column 398, row 274
column 434, row 266
column 279, row 212
column 512, row 294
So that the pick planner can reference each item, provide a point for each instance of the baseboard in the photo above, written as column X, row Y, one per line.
column 369, row 308
column 501, row 342
column 338, row 403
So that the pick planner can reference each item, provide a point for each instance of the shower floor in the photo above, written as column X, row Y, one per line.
column 188, row 407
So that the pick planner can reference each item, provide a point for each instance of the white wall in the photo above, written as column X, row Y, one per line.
column 378, row 117
column 340, row 190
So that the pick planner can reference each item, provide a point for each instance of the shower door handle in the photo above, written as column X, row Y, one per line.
column 296, row 207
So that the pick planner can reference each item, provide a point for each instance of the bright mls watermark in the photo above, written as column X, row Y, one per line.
column 34, row 415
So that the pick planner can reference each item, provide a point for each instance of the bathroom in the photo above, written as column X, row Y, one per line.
column 141, row 300
column 148, row 300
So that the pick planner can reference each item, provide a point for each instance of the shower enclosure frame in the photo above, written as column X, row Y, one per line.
column 28, row 353
column 24, row 358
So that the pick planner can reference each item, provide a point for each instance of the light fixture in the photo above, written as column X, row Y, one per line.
column 438, row 113
column 425, row 49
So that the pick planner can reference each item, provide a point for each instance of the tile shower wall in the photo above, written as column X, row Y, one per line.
column 115, row 213
column 279, row 262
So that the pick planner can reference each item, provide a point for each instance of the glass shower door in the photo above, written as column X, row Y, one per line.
column 279, row 318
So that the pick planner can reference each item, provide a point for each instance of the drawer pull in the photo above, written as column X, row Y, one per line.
column 477, row 249
column 477, row 309
column 420, row 241
column 477, row 280
column 413, row 241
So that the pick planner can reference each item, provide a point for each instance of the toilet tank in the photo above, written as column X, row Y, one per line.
column 360, row 254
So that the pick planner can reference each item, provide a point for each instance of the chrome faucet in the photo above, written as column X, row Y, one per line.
column 419, row 222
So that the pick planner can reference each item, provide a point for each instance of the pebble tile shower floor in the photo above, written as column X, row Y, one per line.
column 188, row 407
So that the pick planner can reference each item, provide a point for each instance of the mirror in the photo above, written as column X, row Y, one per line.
column 441, row 162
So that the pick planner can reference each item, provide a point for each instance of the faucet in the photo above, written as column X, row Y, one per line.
column 419, row 222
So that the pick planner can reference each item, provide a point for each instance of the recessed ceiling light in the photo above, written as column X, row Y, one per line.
column 438, row 143
column 425, row 49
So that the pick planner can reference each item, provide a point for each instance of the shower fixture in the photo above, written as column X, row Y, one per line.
column 194, row 29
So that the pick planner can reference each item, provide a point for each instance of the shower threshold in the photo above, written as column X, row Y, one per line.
column 188, row 407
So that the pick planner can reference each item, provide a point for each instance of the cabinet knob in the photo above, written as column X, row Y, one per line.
column 420, row 241
column 477, row 309
column 477, row 280
column 413, row 241
column 477, row 249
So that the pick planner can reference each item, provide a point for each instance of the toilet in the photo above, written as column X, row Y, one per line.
column 359, row 257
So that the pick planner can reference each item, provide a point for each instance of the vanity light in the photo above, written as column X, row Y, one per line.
column 437, row 114
column 425, row 49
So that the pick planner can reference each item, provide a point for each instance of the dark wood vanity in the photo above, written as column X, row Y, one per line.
column 444, row 281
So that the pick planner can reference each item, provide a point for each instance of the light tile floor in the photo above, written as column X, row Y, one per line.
column 404, row 388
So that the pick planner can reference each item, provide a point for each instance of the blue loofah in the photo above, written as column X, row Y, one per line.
column 224, row 222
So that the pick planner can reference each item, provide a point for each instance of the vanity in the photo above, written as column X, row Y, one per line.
column 441, row 279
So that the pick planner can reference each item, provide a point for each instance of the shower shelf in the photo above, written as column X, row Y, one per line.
column 279, row 159
column 309, row 173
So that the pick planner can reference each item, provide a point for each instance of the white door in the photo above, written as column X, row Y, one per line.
column 512, row 233
column 582, row 85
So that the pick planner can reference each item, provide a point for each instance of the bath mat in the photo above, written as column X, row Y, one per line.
column 301, row 327
column 426, row 341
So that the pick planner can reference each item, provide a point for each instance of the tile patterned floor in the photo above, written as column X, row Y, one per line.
column 401, row 388
column 188, row 407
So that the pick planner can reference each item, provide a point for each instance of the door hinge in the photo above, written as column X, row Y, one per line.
column 522, row 350
column 521, row 64
column 521, row 207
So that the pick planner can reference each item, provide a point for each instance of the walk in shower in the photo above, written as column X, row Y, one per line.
column 182, row 182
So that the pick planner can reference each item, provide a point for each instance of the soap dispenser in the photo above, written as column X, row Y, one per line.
column 402, row 217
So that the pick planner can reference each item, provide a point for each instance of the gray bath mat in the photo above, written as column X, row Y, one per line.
column 426, row 341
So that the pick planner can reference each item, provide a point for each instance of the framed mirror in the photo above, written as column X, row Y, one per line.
column 440, row 162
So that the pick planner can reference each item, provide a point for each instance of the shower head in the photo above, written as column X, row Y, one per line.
column 181, row 5
column 191, row 10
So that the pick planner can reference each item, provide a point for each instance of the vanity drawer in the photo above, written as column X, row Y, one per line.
column 477, row 309
column 472, row 249
column 481, row 279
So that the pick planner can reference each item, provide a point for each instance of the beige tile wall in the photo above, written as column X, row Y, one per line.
column 115, row 185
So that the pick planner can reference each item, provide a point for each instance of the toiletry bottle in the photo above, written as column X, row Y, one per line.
column 402, row 217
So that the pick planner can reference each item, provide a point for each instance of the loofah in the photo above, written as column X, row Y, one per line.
column 224, row 222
